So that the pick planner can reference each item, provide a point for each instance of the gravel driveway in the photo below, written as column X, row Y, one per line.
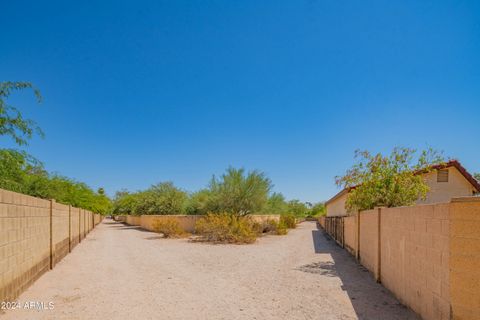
column 123, row 272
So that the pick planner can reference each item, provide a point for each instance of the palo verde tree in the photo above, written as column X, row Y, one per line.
column 12, row 123
column 239, row 193
column 390, row 181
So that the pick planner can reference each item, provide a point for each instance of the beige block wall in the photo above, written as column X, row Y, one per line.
column 369, row 239
column 24, row 242
column 133, row 220
column 465, row 258
column 90, row 221
column 34, row 235
column 413, row 260
column 321, row 221
column 82, row 224
column 350, row 234
column 415, row 257
column 260, row 218
column 60, row 231
column 186, row 222
column 97, row 218
column 75, row 226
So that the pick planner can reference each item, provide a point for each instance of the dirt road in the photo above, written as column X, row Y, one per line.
column 123, row 272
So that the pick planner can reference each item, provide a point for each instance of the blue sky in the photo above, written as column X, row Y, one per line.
column 137, row 92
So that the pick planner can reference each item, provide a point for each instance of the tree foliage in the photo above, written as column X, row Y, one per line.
column 390, row 181
column 23, row 173
column 199, row 202
column 238, row 192
column 12, row 123
column 162, row 198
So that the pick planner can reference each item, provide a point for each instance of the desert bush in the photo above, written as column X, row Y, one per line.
column 257, row 227
column 270, row 226
column 169, row 227
column 288, row 220
column 226, row 228
column 282, row 229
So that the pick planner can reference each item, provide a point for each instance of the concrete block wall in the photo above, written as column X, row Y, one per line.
column 369, row 239
column 415, row 257
column 75, row 227
column 24, row 242
column 350, row 234
column 60, row 231
column 186, row 222
column 133, row 220
column 35, row 234
column 428, row 256
column 465, row 258
column 81, row 221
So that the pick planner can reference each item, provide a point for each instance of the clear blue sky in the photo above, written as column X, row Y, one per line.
column 137, row 92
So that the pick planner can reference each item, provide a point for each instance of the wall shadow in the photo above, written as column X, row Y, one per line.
column 369, row 299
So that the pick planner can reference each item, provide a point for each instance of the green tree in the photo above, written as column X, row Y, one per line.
column 390, row 181
column 297, row 208
column 198, row 202
column 477, row 176
column 240, row 193
column 125, row 202
column 15, row 168
column 12, row 123
column 162, row 198
column 276, row 204
column 317, row 210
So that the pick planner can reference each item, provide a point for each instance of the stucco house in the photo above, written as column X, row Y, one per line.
column 446, row 181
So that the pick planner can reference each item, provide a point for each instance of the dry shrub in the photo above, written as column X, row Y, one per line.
column 226, row 228
column 257, row 227
column 169, row 227
column 288, row 220
column 270, row 226
column 282, row 229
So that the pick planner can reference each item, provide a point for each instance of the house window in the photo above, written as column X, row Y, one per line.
column 442, row 175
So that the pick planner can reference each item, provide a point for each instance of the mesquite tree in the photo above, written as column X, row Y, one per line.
column 12, row 123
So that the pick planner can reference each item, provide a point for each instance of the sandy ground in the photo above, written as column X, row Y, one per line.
column 123, row 272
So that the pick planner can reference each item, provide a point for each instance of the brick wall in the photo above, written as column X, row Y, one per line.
column 35, row 234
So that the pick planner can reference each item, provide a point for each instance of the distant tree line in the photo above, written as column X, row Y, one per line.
column 235, row 192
